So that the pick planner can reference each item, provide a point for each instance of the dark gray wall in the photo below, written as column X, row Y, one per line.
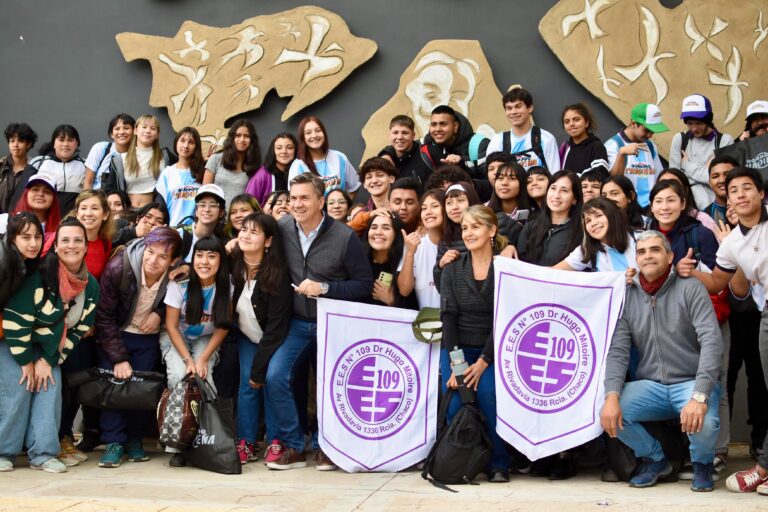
column 68, row 67
column 60, row 63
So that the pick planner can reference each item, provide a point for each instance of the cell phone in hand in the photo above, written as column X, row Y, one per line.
column 385, row 278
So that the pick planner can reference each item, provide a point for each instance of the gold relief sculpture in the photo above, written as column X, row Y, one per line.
column 633, row 51
column 445, row 72
column 205, row 75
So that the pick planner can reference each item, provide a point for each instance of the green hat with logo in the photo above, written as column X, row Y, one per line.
column 649, row 115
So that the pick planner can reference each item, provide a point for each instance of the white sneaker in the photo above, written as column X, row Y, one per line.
column 5, row 465
column 52, row 465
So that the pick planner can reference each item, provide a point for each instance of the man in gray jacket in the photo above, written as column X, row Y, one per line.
column 673, row 325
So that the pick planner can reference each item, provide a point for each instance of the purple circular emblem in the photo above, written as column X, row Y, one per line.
column 546, row 357
column 375, row 388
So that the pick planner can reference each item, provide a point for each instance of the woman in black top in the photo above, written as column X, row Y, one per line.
column 262, row 302
column 466, row 310
column 556, row 230
column 383, row 242
column 583, row 151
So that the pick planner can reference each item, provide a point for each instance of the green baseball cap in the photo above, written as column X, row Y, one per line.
column 649, row 115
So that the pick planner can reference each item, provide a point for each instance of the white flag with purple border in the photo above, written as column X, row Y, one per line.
column 376, row 387
column 552, row 330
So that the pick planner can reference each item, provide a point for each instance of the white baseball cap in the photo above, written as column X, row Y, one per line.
column 757, row 107
column 211, row 190
column 696, row 106
column 41, row 178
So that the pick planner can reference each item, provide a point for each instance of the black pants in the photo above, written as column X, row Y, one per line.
column 745, row 329
column 82, row 357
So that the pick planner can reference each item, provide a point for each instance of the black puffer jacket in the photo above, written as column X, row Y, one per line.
column 13, row 270
column 459, row 146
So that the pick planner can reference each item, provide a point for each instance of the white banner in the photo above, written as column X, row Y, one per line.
column 552, row 330
column 376, row 387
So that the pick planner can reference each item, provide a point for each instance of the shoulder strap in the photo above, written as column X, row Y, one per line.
column 424, row 151
column 692, row 242
column 186, row 242
column 506, row 142
column 101, row 160
column 442, row 414
column 718, row 139
column 536, row 145
column 651, row 149
column 685, row 138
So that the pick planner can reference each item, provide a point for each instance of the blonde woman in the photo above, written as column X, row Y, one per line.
column 143, row 161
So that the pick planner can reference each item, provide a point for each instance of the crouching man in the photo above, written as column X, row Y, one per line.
column 673, row 326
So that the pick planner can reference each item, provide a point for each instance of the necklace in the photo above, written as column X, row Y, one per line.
column 251, row 264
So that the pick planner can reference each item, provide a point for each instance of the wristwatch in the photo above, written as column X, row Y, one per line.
column 699, row 397
column 324, row 287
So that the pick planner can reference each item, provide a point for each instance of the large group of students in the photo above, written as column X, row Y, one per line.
column 141, row 258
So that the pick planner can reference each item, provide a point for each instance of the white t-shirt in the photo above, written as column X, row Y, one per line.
column 98, row 160
column 335, row 170
column 641, row 169
column 144, row 182
column 178, row 188
column 176, row 296
column 747, row 251
column 423, row 262
column 608, row 260
column 518, row 144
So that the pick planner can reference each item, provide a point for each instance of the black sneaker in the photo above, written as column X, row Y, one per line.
column 89, row 441
column 562, row 467
column 177, row 461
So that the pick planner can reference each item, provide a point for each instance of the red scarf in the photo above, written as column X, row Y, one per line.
column 651, row 288
column 70, row 286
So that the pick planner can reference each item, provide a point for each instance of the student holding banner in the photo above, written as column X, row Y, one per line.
column 325, row 258
column 466, row 299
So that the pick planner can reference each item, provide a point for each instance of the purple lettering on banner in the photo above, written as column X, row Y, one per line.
column 546, row 357
column 375, row 389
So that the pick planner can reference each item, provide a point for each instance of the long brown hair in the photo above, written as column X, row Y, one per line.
column 303, row 153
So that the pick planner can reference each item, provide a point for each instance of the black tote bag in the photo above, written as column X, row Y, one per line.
column 214, row 446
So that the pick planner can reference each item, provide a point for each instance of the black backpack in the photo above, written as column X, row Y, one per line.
column 687, row 136
column 536, row 148
column 462, row 449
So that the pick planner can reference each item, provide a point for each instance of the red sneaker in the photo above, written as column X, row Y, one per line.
column 745, row 481
column 273, row 452
column 290, row 459
column 246, row 451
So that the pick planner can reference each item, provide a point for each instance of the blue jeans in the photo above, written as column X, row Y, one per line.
column 282, row 415
column 27, row 418
column 646, row 400
column 249, row 400
column 486, row 400
column 122, row 426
